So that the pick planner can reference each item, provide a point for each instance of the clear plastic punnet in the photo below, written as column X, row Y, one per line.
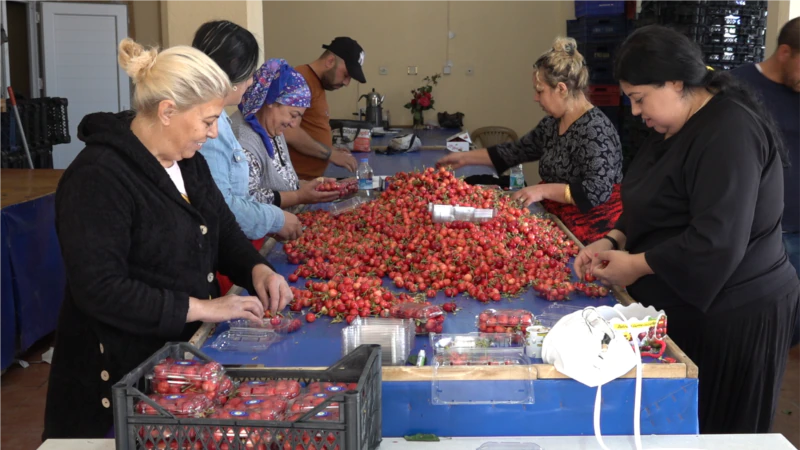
column 453, row 370
column 260, row 408
column 504, row 321
column 331, row 388
column 311, row 400
column 427, row 318
column 395, row 336
column 448, row 342
column 346, row 205
column 278, row 324
column 284, row 388
column 179, row 405
column 456, row 213
column 553, row 313
column 246, row 340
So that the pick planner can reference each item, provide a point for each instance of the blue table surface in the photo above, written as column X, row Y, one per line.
column 407, row 162
column 319, row 344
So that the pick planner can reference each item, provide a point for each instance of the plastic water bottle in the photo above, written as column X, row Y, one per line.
column 364, row 175
column 517, row 181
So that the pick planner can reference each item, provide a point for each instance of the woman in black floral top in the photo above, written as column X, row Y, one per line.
column 577, row 146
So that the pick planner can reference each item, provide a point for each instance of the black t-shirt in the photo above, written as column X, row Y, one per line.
column 784, row 104
column 705, row 207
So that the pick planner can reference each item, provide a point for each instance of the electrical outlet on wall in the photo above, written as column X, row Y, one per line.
column 412, row 70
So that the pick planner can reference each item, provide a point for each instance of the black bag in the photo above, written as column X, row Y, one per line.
column 451, row 120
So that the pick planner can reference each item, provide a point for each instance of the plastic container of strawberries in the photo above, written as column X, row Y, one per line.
column 427, row 318
column 354, row 424
column 504, row 321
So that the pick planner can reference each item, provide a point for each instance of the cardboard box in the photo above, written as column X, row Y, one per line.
column 459, row 142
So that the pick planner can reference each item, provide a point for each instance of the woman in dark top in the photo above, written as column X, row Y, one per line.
column 578, row 148
column 701, row 231
column 143, row 228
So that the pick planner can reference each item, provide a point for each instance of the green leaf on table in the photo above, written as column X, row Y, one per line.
column 422, row 437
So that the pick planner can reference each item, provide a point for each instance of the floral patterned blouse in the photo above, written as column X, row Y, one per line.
column 588, row 156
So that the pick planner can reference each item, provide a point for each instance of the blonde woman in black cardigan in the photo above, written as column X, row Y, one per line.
column 143, row 229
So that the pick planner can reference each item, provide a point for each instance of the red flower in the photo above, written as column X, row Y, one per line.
column 425, row 102
column 428, row 95
column 413, row 102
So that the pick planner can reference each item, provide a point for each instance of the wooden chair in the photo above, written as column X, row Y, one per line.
column 490, row 136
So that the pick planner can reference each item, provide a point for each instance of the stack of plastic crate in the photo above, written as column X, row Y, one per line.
column 599, row 29
column 730, row 33
column 45, row 124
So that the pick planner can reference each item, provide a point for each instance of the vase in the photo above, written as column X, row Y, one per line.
column 419, row 120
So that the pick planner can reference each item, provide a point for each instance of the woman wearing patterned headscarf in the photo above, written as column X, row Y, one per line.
column 274, row 102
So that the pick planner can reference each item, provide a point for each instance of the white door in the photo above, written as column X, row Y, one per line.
column 80, row 64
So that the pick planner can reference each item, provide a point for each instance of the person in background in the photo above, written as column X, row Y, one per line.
column 142, row 229
column 577, row 146
column 311, row 144
column 777, row 82
column 700, row 237
column 274, row 103
column 235, row 50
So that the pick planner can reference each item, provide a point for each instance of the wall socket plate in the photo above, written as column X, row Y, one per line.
column 412, row 70
column 383, row 70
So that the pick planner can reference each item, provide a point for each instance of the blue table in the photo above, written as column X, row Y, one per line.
column 433, row 142
column 30, row 253
column 562, row 406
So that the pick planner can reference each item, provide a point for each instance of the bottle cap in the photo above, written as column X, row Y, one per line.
column 364, row 160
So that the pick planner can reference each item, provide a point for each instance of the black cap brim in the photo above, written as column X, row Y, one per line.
column 356, row 72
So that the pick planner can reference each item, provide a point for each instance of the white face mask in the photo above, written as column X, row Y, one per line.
column 583, row 346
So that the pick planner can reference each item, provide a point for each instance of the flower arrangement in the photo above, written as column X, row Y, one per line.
column 422, row 99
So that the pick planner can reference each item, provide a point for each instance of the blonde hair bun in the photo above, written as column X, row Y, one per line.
column 564, row 64
column 567, row 45
column 182, row 74
column 136, row 60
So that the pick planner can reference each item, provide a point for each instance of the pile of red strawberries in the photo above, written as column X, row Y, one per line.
column 393, row 236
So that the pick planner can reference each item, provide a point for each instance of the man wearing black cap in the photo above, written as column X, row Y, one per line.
column 311, row 145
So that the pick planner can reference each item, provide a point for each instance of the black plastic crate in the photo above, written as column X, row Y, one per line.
column 736, row 21
column 598, row 52
column 57, row 120
column 737, row 3
column 359, row 427
column 731, row 39
column 613, row 114
column 601, row 72
column 598, row 28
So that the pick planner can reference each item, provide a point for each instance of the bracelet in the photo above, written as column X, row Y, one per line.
column 614, row 243
column 568, row 196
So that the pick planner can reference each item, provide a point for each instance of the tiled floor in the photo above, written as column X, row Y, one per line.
column 23, row 394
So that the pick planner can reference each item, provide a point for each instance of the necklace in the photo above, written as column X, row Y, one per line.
column 701, row 106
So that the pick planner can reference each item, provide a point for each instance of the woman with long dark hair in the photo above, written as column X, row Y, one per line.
column 700, row 233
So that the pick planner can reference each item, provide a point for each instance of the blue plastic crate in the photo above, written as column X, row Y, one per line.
column 598, row 8
column 596, row 29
